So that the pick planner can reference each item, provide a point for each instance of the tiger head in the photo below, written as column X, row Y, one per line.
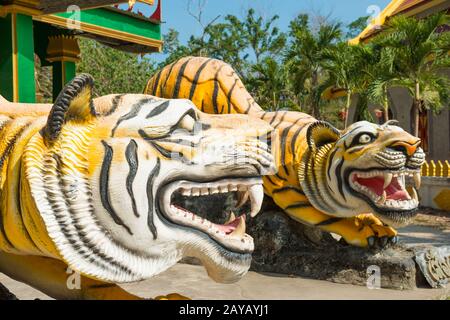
column 102, row 174
column 365, row 168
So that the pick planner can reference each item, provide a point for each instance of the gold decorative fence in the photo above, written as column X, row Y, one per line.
column 439, row 168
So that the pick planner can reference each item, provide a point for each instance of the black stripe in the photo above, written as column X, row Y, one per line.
column 133, row 113
column 281, row 120
column 158, row 109
column 298, row 205
column 115, row 103
column 89, row 251
column 182, row 142
column 356, row 149
column 180, row 75
column 2, row 160
column 166, row 153
column 339, row 177
column 202, row 109
column 295, row 136
column 318, row 191
column 284, row 134
column 151, row 206
column 283, row 139
column 274, row 117
column 289, row 188
column 328, row 222
column 249, row 106
column 155, row 85
column 230, row 93
column 104, row 187
column 163, row 88
column 7, row 150
column 215, row 94
column 330, row 162
column 280, row 177
column 197, row 77
column 270, row 180
column 133, row 162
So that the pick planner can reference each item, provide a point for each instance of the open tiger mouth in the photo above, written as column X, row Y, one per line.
column 230, row 234
column 388, row 190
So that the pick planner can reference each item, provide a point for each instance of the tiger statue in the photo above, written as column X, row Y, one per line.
column 87, row 186
column 358, row 183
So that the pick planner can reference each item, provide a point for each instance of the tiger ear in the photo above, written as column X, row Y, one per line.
column 74, row 103
column 321, row 133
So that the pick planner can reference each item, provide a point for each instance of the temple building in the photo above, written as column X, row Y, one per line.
column 47, row 31
column 434, row 129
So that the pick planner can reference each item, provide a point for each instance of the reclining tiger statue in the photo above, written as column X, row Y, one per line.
column 327, row 178
column 87, row 185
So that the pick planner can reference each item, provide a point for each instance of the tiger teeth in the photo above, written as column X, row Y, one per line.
column 213, row 190
column 232, row 236
column 414, row 195
column 256, row 194
column 383, row 197
column 186, row 192
column 411, row 200
column 242, row 198
column 417, row 180
column 239, row 232
column 387, row 179
column 231, row 218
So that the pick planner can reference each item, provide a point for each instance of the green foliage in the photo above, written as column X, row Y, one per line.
column 356, row 27
column 292, row 70
column 114, row 71
column 419, row 54
column 305, row 59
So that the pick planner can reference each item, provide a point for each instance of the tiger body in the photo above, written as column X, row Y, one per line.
column 86, row 187
column 309, row 151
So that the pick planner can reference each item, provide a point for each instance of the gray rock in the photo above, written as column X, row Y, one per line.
column 285, row 246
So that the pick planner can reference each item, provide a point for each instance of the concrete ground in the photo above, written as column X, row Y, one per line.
column 193, row 281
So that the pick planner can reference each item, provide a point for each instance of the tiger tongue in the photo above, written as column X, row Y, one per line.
column 234, row 225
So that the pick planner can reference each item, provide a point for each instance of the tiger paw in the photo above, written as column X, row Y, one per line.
column 369, row 231
column 172, row 296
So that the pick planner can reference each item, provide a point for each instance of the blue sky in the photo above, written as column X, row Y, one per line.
column 175, row 14
column 175, row 11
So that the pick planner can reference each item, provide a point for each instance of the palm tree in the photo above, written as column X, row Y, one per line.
column 345, row 65
column 304, row 58
column 420, row 54
column 380, row 76
column 268, row 83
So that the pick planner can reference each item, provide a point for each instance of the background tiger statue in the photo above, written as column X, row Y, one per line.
column 88, row 184
column 326, row 178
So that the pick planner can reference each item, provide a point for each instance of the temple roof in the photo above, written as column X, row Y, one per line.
column 418, row 8
column 98, row 19
column 54, row 6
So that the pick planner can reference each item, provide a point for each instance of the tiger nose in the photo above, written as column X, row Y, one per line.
column 407, row 147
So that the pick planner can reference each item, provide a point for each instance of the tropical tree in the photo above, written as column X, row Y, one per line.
column 420, row 53
column 114, row 71
column 261, row 35
column 305, row 59
column 269, row 84
column 380, row 76
column 345, row 64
